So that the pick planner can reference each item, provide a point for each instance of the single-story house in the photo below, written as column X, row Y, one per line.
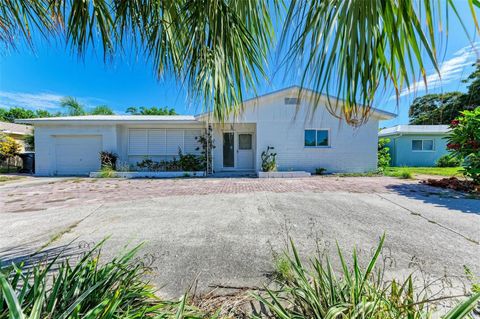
column 18, row 132
column 304, row 137
column 416, row 145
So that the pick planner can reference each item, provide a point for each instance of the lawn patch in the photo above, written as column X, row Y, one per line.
column 440, row 171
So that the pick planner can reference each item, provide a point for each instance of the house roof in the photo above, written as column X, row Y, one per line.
column 17, row 129
column 294, row 89
column 383, row 115
column 113, row 118
column 415, row 129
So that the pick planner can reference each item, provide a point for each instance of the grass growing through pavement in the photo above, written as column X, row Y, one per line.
column 442, row 171
column 4, row 179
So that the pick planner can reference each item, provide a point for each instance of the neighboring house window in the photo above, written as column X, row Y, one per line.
column 317, row 138
column 422, row 145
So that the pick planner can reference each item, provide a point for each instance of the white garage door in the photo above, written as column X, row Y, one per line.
column 77, row 155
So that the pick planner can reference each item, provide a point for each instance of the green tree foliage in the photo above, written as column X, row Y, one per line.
column 102, row 110
column 443, row 108
column 14, row 113
column 73, row 107
column 383, row 153
column 151, row 110
column 472, row 97
column 464, row 142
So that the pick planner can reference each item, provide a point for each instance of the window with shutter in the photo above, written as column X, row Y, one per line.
column 137, row 142
column 191, row 142
column 174, row 141
column 156, row 142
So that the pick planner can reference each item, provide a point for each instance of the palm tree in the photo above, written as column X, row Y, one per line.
column 102, row 110
column 219, row 48
column 74, row 108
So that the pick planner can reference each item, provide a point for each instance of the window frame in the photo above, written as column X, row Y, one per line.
column 423, row 140
column 329, row 145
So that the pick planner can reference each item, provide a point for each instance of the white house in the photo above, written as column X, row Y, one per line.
column 304, row 138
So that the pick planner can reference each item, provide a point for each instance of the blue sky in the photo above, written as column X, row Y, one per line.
column 39, row 79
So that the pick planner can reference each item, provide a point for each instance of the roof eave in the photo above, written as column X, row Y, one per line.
column 56, row 121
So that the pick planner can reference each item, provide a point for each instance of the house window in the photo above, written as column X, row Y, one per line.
column 316, row 138
column 245, row 141
column 422, row 145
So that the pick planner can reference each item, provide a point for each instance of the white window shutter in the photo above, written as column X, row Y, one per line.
column 191, row 142
column 137, row 142
column 156, row 142
column 174, row 141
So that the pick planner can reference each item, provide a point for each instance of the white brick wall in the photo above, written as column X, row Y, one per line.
column 283, row 127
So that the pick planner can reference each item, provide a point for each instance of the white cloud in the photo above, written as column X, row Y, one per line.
column 39, row 100
column 450, row 70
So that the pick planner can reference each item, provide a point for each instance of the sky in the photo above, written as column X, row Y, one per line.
column 38, row 79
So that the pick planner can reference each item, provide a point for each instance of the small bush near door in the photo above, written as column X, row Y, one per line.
column 269, row 160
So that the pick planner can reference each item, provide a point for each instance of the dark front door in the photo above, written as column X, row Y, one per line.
column 228, row 149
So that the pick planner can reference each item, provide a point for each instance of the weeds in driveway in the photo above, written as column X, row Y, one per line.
column 86, row 289
column 317, row 290
column 4, row 179
column 89, row 288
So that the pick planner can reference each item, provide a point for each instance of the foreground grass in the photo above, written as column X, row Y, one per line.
column 92, row 289
column 441, row 171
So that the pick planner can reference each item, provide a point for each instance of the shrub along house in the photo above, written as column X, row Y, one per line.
column 304, row 137
column 416, row 145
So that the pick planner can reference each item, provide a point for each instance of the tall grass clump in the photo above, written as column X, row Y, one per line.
column 318, row 291
column 84, row 289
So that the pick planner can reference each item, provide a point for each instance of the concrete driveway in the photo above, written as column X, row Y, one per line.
column 227, row 231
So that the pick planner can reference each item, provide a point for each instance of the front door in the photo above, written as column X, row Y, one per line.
column 245, row 151
column 229, row 149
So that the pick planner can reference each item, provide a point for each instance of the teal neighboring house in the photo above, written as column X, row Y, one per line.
column 416, row 145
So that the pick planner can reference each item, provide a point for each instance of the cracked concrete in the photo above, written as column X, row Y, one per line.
column 223, row 237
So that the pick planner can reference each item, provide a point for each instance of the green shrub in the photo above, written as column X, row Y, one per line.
column 464, row 142
column 319, row 291
column 108, row 159
column 448, row 161
column 107, row 172
column 405, row 174
column 383, row 154
column 190, row 162
column 320, row 171
column 85, row 289
column 269, row 160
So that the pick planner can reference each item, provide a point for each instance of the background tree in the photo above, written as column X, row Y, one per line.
column 102, row 110
column 73, row 107
column 443, row 108
column 9, row 148
column 472, row 97
column 151, row 110
column 14, row 113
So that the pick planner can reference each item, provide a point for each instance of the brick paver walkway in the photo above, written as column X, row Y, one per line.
column 75, row 192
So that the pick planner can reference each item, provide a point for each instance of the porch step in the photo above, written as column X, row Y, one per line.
column 227, row 174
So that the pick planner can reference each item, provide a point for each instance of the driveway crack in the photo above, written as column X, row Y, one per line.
column 430, row 220
column 67, row 229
